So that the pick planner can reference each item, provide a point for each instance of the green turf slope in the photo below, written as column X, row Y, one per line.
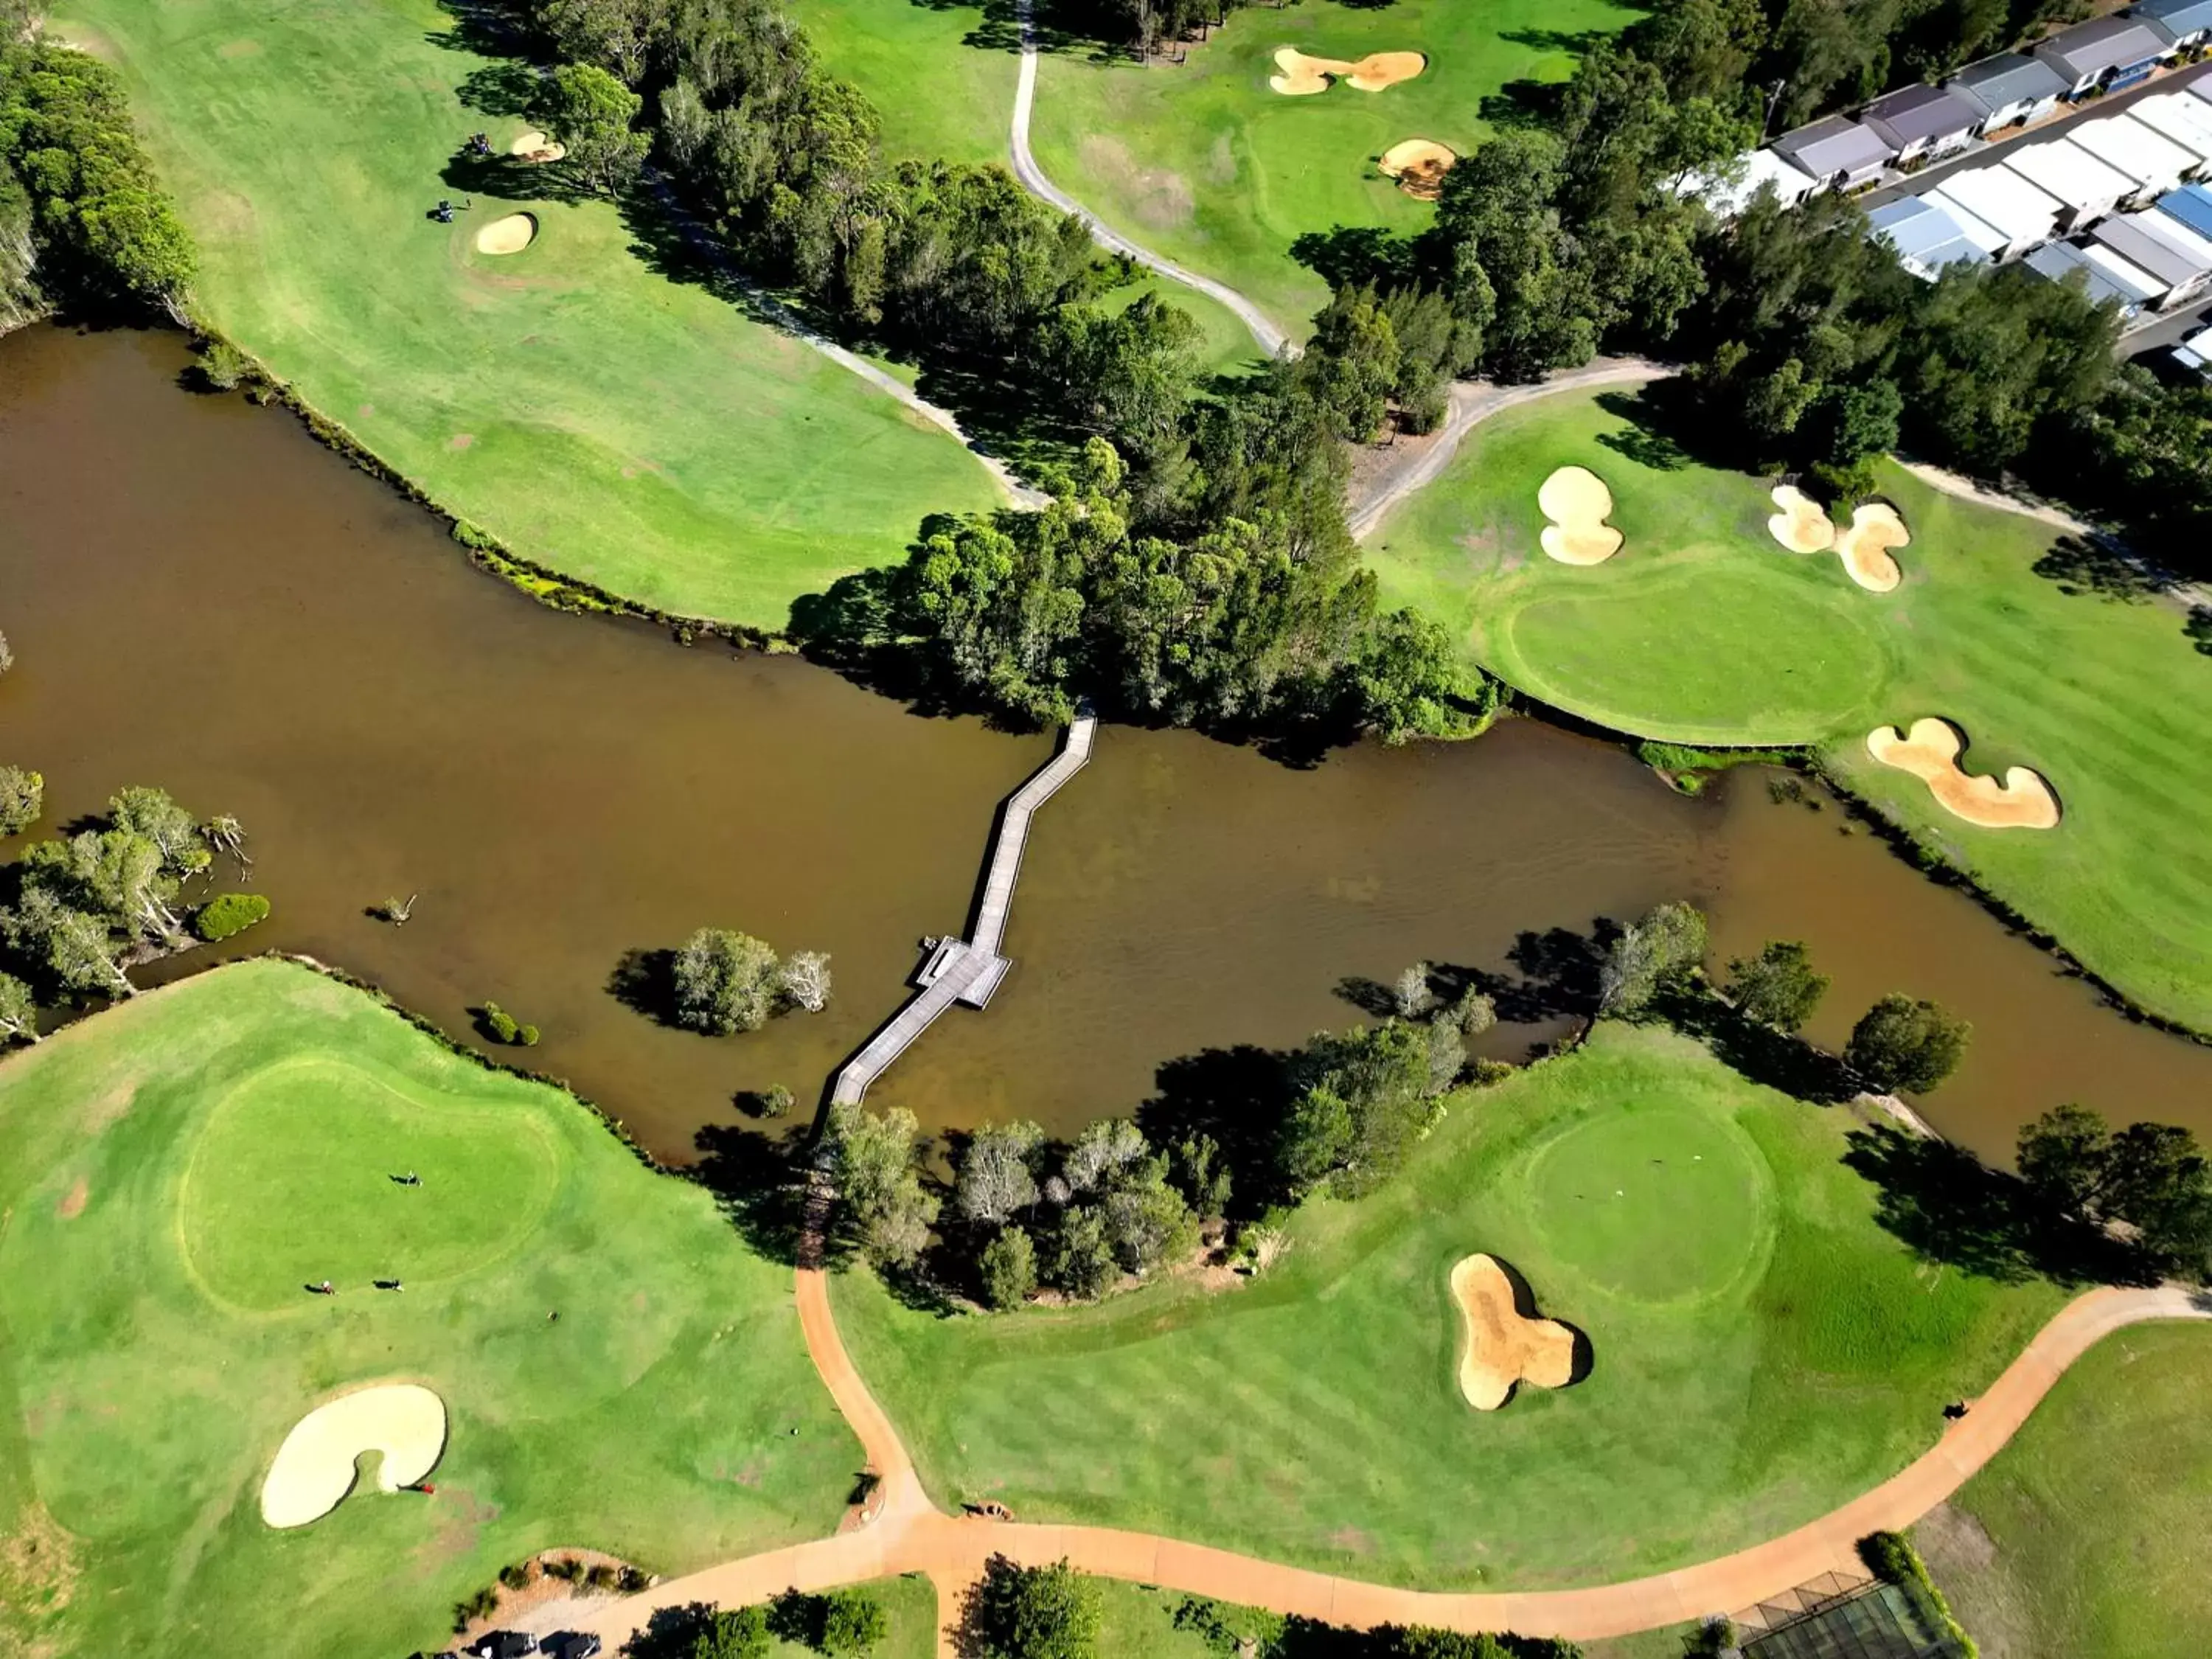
column 600, row 419
column 1204, row 163
column 1703, row 630
column 1762, row 1352
column 172, row 1174
column 2086, row 1535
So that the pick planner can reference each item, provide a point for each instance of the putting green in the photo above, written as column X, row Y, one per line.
column 151, row 1364
column 1591, row 1192
column 266, row 1208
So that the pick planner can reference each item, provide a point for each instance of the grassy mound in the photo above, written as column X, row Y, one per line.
column 598, row 416
column 1203, row 163
column 174, row 1171
column 2085, row 1534
column 1777, row 1355
column 1703, row 630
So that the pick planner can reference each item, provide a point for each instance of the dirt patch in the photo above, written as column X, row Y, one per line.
column 239, row 49
column 73, row 1201
column 1802, row 526
column 1158, row 197
column 1930, row 751
column 111, row 1103
column 1577, row 501
column 1864, row 548
column 461, row 440
column 1300, row 76
column 1971, row 1570
column 314, row 1467
column 509, row 235
column 1500, row 1346
column 38, row 1567
column 1419, row 165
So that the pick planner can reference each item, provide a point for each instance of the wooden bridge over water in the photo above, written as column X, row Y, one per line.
column 968, row 970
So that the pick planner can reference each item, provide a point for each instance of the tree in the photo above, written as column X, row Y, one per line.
column 803, row 980
column 1411, row 995
column 1035, row 1612
column 1315, row 1138
column 22, row 798
column 723, row 981
column 1101, row 1151
column 591, row 113
column 142, row 811
column 1665, row 946
column 19, row 1014
column 995, row 1177
column 887, row 1210
column 1777, row 986
column 742, row 1634
column 1008, row 1268
column 852, row 1624
column 1903, row 1045
column 1083, row 1256
column 1147, row 1220
column 2150, row 1175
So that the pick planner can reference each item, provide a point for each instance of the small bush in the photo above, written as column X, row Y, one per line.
column 228, row 913
column 1890, row 1557
column 566, row 1568
column 527, row 1035
column 482, row 1605
column 481, row 541
column 515, row 1575
column 631, row 1580
column 600, row 1576
column 500, row 1024
column 851, row 1623
column 220, row 366
column 22, row 798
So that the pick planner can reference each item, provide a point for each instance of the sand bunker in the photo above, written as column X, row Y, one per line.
column 1302, row 75
column 1930, row 752
column 1803, row 524
column 1864, row 548
column 509, row 235
column 1577, row 503
column 537, row 147
column 314, row 1467
column 1419, row 165
column 1501, row 1346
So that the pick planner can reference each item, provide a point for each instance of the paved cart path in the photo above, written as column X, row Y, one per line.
column 904, row 1532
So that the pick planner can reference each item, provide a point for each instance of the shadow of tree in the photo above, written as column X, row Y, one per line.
column 1240, row 1096
column 760, row 1183
column 2092, row 565
column 1355, row 254
column 2198, row 628
column 644, row 981
column 1779, row 1059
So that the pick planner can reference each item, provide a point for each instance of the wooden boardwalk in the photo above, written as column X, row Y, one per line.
column 968, row 970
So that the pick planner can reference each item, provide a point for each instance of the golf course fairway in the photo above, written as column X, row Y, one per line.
column 1761, row 1350
column 178, row 1171
column 1703, row 630
column 599, row 418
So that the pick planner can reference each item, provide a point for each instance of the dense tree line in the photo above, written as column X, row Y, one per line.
column 83, row 220
column 841, row 1624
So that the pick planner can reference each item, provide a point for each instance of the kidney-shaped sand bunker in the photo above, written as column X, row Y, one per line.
column 1500, row 1346
column 314, row 1467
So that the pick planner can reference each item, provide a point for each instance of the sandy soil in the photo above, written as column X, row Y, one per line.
column 314, row 1467
column 1577, row 503
column 535, row 146
column 1930, row 752
column 1864, row 548
column 1302, row 75
column 509, row 235
column 1419, row 165
column 1803, row 524
column 1501, row 1348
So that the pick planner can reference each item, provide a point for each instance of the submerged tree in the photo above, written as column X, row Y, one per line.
column 803, row 980
column 723, row 981
column 22, row 798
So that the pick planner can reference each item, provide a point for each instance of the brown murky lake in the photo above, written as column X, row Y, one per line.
column 200, row 596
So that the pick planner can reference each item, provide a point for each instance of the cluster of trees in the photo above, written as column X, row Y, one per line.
column 1901, row 1043
column 722, row 982
column 843, row 1624
column 75, row 911
column 2148, row 1180
column 83, row 220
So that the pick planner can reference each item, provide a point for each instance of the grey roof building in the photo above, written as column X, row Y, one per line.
column 2010, row 88
column 2106, row 51
column 1924, row 236
column 1920, row 121
column 1837, row 151
column 2058, row 261
column 2185, row 277
column 2182, row 23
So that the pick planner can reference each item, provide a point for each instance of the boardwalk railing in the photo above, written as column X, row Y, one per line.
column 968, row 970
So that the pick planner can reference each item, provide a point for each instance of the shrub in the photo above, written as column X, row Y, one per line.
column 1890, row 1557
column 600, row 1575
column 566, row 1567
column 1035, row 1612
column 527, row 1035
column 851, row 1623
column 220, row 366
column 723, row 981
column 500, row 1024
column 482, row 1605
column 228, row 913
column 630, row 1580
column 515, row 1575
column 22, row 798
column 1009, row 1269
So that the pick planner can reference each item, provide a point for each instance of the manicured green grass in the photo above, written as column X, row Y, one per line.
column 938, row 97
column 600, row 419
column 1703, row 631
column 1776, row 1355
column 2096, row 1511
column 1205, row 163
column 173, row 1173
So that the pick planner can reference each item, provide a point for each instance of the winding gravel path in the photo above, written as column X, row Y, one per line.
column 1272, row 340
column 902, row 1531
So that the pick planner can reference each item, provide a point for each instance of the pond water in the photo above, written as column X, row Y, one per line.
column 201, row 597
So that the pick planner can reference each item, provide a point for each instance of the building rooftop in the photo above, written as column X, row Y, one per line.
column 2127, row 146
column 1926, row 235
column 2176, row 18
column 2070, row 173
column 2001, row 197
column 2177, row 117
column 2191, row 204
column 2101, row 44
column 2060, row 260
column 1919, row 112
column 2008, row 78
column 1837, row 144
column 2154, row 258
column 1753, row 171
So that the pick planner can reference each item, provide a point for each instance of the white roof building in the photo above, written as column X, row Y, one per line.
column 2087, row 188
column 2180, row 119
column 1994, row 243
column 2022, row 214
column 2154, row 164
column 1730, row 192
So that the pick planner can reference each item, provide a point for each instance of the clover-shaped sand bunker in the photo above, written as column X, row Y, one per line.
column 1419, row 165
column 1501, row 1346
column 509, row 235
column 1930, row 752
column 1802, row 526
column 1577, row 501
column 535, row 147
column 1302, row 75
column 314, row 1467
